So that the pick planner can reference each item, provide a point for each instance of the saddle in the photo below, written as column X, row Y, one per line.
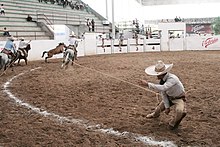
column 9, row 53
column 6, row 51
column 71, row 47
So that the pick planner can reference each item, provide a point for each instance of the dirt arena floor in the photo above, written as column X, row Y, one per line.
column 100, row 103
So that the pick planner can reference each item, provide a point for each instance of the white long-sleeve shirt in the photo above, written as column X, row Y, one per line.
column 22, row 44
column 74, row 41
column 173, row 87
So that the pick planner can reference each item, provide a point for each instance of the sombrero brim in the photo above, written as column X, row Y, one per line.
column 72, row 35
column 151, row 70
column 12, row 38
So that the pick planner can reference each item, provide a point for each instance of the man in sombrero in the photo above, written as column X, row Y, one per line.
column 171, row 90
column 73, row 44
column 10, row 47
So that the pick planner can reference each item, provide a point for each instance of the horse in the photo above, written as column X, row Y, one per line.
column 68, row 56
column 5, row 61
column 59, row 49
column 23, row 54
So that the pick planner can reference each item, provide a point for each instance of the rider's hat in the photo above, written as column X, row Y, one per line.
column 158, row 69
column 72, row 34
column 22, row 38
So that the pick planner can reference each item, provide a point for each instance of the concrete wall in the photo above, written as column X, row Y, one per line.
column 92, row 45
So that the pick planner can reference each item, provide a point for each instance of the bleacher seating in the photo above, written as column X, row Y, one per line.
column 45, row 14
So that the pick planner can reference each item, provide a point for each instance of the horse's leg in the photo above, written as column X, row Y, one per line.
column 19, row 61
column 75, row 54
column 72, row 61
column 25, row 59
column 43, row 54
column 66, row 61
column 1, row 63
column 49, row 55
column 46, row 59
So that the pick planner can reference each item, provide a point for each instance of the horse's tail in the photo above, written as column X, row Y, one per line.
column 1, row 62
column 44, row 53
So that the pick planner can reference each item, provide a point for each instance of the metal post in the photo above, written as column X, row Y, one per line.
column 113, row 20
column 106, row 2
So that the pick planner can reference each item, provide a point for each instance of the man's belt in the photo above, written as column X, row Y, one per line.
column 175, row 98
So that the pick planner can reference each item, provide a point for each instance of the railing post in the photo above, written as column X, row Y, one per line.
column 37, row 14
column 66, row 18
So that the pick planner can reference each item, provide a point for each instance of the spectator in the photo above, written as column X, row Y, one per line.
column 64, row 3
column 147, row 34
column 2, row 9
column 179, row 19
column 176, row 19
column 121, row 39
column 88, row 23
column 142, row 29
column 87, row 8
column 6, row 32
column 136, row 40
column 69, row 2
column 93, row 25
column 29, row 18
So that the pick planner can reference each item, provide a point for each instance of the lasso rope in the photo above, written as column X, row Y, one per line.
column 157, row 94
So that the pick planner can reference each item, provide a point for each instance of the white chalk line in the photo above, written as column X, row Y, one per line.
column 137, row 137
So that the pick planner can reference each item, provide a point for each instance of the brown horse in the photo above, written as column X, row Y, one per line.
column 59, row 49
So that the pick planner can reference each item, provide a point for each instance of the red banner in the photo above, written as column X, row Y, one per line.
column 198, row 28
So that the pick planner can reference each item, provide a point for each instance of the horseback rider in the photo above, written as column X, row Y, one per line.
column 23, row 45
column 10, row 48
column 73, row 43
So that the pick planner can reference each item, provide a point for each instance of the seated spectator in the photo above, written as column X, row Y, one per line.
column 2, row 9
column 93, row 25
column 87, row 8
column 29, row 18
column 176, row 19
column 179, row 19
column 52, row 1
column 6, row 32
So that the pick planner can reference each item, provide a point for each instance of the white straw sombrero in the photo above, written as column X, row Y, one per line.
column 72, row 34
column 158, row 69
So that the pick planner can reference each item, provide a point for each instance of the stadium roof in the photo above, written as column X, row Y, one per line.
column 175, row 2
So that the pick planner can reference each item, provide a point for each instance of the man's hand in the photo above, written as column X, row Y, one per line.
column 143, row 83
column 167, row 111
